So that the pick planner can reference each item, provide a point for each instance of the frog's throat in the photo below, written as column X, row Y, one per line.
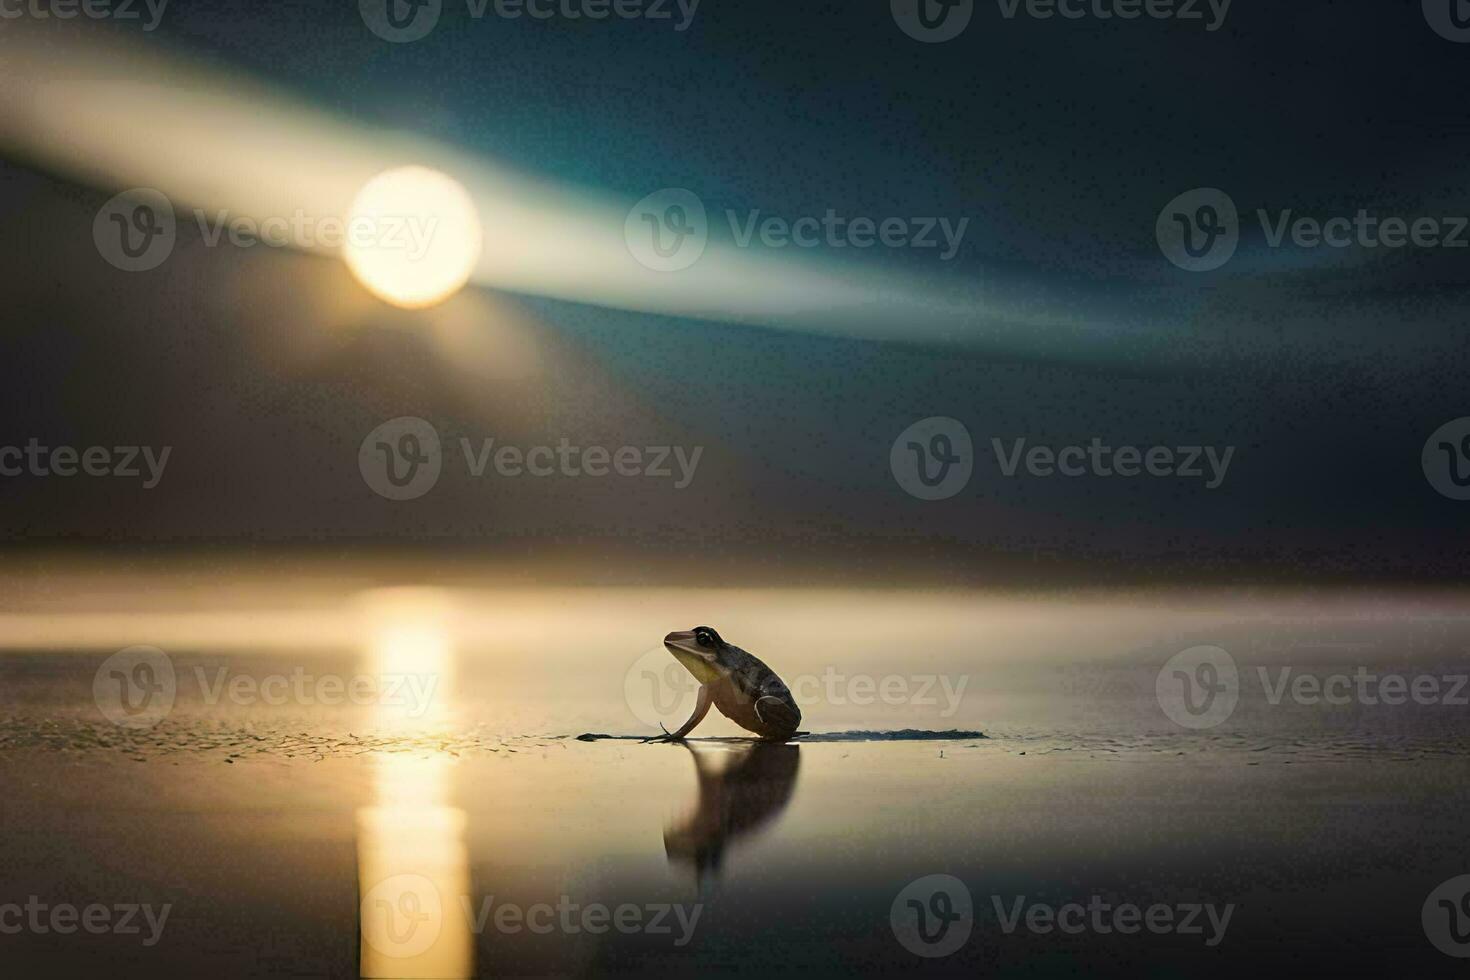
column 703, row 671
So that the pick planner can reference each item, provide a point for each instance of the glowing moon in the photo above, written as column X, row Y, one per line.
column 413, row 236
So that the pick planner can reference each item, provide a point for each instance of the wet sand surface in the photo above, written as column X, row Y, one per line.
column 307, row 840
column 1326, row 861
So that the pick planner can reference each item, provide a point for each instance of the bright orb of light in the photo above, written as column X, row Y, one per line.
column 413, row 236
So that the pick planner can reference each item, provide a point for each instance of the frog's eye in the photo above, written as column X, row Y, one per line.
column 704, row 638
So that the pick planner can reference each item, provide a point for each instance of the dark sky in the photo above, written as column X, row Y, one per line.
column 1327, row 369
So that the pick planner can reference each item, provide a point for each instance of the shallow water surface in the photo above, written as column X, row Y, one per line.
column 469, row 832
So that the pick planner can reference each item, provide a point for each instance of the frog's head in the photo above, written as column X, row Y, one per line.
column 701, row 651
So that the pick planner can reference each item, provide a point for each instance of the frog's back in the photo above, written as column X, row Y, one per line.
column 755, row 698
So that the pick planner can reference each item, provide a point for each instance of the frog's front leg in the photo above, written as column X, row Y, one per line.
column 701, row 708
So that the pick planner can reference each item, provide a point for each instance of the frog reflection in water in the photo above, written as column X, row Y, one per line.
column 736, row 799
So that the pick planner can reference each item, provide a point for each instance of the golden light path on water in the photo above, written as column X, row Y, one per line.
column 546, row 664
column 413, row 865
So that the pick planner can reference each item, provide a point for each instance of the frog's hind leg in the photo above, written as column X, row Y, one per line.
column 779, row 718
